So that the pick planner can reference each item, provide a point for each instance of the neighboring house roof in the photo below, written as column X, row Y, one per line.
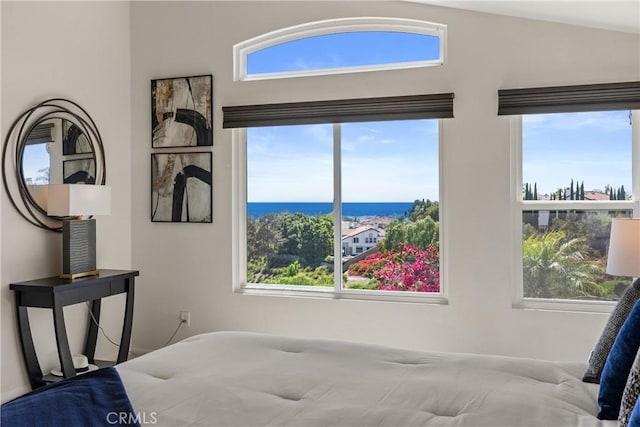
column 595, row 195
column 380, row 221
column 358, row 230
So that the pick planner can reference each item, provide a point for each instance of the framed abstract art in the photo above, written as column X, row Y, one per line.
column 181, row 187
column 181, row 112
column 79, row 171
column 74, row 141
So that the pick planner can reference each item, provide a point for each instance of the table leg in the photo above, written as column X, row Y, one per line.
column 125, row 339
column 92, row 331
column 28, row 350
column 64, row 353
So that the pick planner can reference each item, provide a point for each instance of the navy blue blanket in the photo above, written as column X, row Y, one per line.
column 96, row 398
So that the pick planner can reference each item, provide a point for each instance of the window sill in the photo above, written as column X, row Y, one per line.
column 565, row 305
column 330, row 293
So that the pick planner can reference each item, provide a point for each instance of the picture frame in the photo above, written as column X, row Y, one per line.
column 74, row 141
column 79, row 171
column 182, row 187
column 182, row 112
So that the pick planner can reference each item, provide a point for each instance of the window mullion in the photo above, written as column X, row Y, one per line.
column 635, row 160
column 337, row 208
column 516, row 191
column 239, row 207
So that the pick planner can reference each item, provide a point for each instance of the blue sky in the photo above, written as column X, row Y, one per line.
column 398, row 161
column 594, row 147
column 342, row 50
column 36, row 157
column 381, row 162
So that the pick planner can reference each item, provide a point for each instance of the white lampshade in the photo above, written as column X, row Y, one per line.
column 79, row 200
column 624, row 247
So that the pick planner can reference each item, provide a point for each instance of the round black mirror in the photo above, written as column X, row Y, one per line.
column 54, row 142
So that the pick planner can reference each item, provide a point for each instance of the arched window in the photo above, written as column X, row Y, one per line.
column 340, row 46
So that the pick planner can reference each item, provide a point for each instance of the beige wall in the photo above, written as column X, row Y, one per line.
column 123, row 46
column 189, row 267
column 80, row 51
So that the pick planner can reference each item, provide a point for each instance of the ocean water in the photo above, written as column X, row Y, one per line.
column 392, row 209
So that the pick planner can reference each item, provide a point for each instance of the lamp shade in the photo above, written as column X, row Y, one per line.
column 79, row 200
column 624, row 247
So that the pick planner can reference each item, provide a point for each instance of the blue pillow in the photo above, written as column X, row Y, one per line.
column 618, row 365
column 634, row 419
column 96, row 398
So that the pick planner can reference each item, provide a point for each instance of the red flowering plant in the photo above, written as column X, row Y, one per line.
column 412, row 269
column 368, row 266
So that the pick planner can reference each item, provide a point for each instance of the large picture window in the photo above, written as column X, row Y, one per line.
column 350, row 207
column 576, row 174
column 340, row 196
column 576, row 166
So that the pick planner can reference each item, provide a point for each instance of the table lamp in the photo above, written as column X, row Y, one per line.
column 78, row 234
column 624, row 248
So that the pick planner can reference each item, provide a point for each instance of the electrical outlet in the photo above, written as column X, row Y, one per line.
column 185, row 317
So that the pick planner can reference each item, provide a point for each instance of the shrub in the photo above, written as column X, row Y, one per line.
column 413, row 269
column 370, row 264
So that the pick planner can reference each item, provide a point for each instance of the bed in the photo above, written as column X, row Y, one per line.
column 248, row 379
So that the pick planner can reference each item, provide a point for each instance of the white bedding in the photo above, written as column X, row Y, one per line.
column 246, row 379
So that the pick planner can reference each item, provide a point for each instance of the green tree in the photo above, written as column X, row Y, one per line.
column 317, row 239
column 424, row 208
column 421, row 233
column 557, row 267
column 622, row 194
column 264, row 236
column 305, row 236
column 43, row 175
column 572, row 192
column 395, row 234
column 593, row 227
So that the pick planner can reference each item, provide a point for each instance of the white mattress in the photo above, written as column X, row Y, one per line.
column 246, row 379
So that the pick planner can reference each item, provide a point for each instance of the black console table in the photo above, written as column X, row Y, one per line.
column 55, row 293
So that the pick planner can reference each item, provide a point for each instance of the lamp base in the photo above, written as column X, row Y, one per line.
column 78, row 248
column 79, row 275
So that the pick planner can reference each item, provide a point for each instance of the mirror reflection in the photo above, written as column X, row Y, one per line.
column 36, row 157
column 56, row 152
column 74, row 141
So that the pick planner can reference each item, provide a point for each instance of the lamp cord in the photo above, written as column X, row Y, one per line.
column 182, row 322
column 93, row 319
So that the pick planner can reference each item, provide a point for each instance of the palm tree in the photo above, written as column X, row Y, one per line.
column 43, row 176
column 555, row 267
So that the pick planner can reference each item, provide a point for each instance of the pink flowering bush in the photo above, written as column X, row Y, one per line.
column 412, row 269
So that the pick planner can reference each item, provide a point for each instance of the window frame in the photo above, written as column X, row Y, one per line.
column 239, row 235
column 519, row 206
column 331, row 26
